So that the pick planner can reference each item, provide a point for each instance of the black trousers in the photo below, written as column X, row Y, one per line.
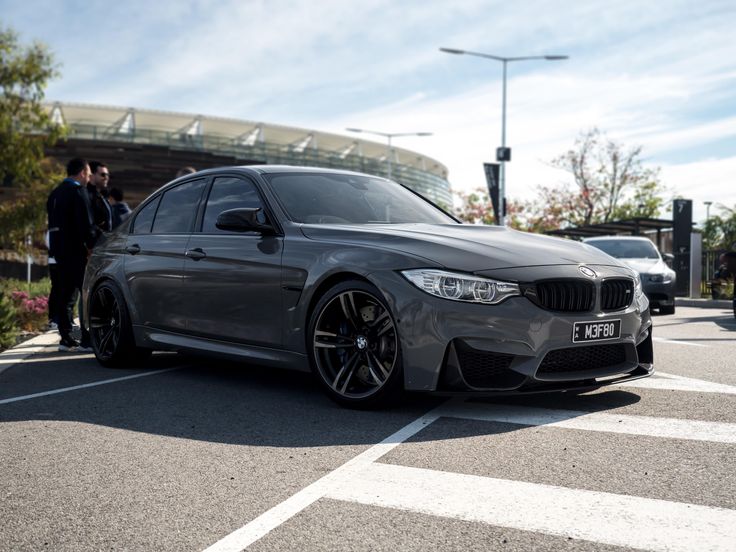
column 70, row 276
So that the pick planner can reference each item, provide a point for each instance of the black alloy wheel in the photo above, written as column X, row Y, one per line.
column 354, row 346
column 109, row 327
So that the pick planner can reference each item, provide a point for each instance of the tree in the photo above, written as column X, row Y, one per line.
column 610, row 181
column 25, row 129
column 720, row 230
column 475, row 207
column 25, row 125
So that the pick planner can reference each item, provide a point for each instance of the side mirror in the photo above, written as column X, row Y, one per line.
column 669, row 257
column 251, row 219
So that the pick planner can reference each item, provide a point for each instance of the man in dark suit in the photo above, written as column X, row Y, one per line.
column 98, row 190
column 71, row 236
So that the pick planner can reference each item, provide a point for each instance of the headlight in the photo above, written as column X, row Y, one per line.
column 638, row 291
column 664, row 278
column 461, row 287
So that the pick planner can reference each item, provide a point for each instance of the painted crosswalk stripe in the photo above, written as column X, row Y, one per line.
column 589, row 515
column 671, row 382
column 717, row 432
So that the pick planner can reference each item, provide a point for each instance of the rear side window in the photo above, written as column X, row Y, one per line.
column 228, row 193
column 144, row 219
column 178, row 208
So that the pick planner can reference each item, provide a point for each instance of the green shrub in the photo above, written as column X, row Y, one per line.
column 8, row 324
column 41, row 287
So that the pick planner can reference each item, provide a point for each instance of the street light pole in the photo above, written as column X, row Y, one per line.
column 503, row 154
column 389, row 136
column 707, row 210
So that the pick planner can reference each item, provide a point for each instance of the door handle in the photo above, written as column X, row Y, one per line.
column 133, row 249
column 195, row 254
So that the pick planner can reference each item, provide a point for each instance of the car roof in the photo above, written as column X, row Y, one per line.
column 274, row 169
column 623, row 238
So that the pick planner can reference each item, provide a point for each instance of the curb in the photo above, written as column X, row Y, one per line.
column 22, row 351
column 703, row 303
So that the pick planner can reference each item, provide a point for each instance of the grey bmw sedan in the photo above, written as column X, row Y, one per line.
column 365, row 283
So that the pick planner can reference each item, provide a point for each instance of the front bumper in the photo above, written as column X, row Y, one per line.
column 659, row 293
column 513, row 347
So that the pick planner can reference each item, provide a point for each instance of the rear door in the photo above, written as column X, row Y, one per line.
column 233, row 279
column 154, row 263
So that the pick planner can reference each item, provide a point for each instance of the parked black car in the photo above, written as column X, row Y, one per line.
column 364, row 282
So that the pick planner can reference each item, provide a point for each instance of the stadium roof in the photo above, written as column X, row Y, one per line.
column 121, row 121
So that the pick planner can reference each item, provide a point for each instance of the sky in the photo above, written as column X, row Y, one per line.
column 660, row 75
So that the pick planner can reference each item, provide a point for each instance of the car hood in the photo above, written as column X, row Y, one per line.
column 645, row 266
column 465, row 247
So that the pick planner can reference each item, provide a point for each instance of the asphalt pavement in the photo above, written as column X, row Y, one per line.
column 184, row 454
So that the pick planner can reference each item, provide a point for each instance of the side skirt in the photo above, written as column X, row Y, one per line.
column 162, row 340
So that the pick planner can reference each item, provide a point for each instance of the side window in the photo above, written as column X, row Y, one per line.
column 178, row 208
column 144, row 219
column 228, row 193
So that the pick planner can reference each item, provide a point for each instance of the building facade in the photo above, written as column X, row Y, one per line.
column 145, row 148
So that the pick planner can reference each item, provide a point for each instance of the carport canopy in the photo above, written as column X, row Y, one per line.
column 634, row 227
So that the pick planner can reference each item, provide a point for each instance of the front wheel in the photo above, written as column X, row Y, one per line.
column 354, row 346
column 110, row 328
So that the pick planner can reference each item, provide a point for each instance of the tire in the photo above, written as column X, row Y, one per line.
column 354, row 346
column 667, row 309
column 110, row 329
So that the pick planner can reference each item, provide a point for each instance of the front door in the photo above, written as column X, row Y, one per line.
column 233, row 279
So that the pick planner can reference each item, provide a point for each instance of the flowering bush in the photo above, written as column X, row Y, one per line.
column 31, row 312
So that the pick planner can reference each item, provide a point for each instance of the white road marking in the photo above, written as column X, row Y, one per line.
column 84, row 386
column 55, row 358
column 269, row 520
column 677, row 342
column 17, row 354
column 671, row 382
column 594, row 516
column 352, row 475
column 716, row 432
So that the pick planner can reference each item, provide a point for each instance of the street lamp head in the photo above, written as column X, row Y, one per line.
column 452, row 51
column 423, row 134
column 556, row 58
column 354, row 129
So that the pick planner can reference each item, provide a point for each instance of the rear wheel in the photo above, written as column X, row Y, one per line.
column 669, row 309
column 354, row 346
column 110, row 328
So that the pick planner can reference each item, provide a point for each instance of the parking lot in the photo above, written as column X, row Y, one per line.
column 180, row 454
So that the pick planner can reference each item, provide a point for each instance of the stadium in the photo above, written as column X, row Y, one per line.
column 145, row 148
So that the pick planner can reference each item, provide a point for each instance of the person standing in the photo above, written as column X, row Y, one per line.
column 98, row 191
column 120, row 210
column 72, row 235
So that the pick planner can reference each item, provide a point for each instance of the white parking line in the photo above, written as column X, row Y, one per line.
column 715, row 432
column 85, row 386
column 269, row 520
column 17, row 354
column 677, row 342
column 621, row 520
column 337, row 483
column 671, row 382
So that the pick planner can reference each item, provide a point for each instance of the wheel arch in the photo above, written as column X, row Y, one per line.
column 328, row 283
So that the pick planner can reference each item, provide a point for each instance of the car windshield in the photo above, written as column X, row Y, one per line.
column 351, row 199
column 627, row 249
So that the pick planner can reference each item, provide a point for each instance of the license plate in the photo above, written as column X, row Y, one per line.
column 600, row 330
